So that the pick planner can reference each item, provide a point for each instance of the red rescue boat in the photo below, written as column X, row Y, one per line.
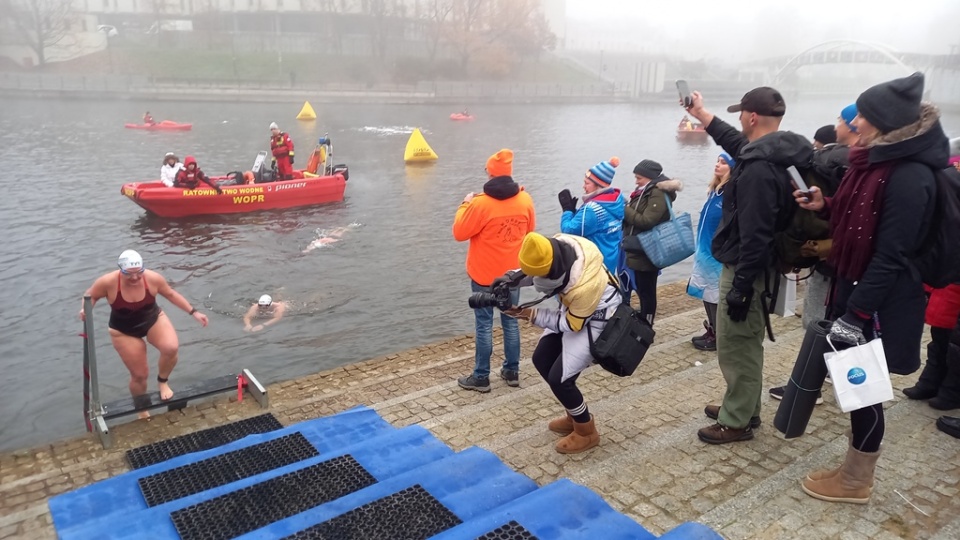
column 172, row 202
column 166, row 125
column 307, row 189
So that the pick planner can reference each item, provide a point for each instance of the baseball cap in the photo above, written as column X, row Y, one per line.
column 764, row 101
column 265, row 300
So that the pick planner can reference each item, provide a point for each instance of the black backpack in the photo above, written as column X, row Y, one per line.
column 803, row 225
column 938, row 259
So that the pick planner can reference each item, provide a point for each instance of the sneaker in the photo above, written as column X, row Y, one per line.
column 777, row 393
column 705, row 343
column 512, row 377
column 713, row 411
column 721, row 434
column 828, row 380
column 481, row 385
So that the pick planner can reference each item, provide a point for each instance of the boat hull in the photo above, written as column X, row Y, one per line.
column 156, row 198
column 166, row 125
column 460, row 117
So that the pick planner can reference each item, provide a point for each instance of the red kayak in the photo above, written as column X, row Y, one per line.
column 173, row 202
column 460, row 117
column 166, row 125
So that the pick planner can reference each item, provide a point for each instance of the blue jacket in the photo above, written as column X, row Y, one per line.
column 599, row 220
column 705, row 278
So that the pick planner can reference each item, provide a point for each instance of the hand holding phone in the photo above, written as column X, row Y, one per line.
column 686, row 98
column 799, row 183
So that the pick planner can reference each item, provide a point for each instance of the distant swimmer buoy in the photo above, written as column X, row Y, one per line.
column 418, row 151
column 307, row 112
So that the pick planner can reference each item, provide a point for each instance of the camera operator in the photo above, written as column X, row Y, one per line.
column 572, row 268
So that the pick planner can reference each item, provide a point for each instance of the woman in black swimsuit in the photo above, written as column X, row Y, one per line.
column 134, row 315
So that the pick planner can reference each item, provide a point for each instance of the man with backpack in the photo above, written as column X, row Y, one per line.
column 826, row 170
column 757, row 203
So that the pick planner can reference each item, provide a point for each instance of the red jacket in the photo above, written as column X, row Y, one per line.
column 943, row 308
column 281, row 145
column 191, row 179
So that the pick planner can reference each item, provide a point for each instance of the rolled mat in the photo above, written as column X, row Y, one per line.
column 800, row 393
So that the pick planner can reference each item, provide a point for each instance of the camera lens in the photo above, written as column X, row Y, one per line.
column 482, row 300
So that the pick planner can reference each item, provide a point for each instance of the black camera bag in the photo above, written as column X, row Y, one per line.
column 623, row 342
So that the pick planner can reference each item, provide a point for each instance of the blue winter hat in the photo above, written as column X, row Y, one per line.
column 848, row 114
column 730, row 161
column 602, row 173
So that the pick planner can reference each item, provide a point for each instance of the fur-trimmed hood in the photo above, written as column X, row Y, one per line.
column 923, row 141
column 670, row 185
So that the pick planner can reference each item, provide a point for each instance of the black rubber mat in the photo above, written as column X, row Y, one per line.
column 200, row 440
column 411, row 514
column 225, row 468
column 259, row 505
column 510, row 531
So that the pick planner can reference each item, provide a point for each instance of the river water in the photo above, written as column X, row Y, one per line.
column 394, row 280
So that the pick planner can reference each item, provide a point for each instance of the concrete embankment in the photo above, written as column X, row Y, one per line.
column 649, row 465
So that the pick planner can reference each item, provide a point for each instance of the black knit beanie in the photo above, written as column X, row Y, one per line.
column 893, row 104
column 649, row 168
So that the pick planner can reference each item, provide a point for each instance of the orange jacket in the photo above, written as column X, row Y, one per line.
column 495, row 228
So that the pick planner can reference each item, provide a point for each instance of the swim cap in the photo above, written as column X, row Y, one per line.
column 265, row 300
column 273, row 125
column 130, row 260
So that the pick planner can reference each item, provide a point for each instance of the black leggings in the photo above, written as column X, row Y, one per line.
column 868, row 426
column 711, row 310
column 647, row 292
column 548, row 359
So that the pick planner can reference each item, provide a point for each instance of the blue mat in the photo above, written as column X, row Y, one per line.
column 472, row 486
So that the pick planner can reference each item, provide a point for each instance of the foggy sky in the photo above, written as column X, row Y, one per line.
column 747, row 29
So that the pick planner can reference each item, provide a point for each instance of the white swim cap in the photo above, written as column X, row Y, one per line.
column 130, row 260
column 265, row 300
column 273, row 125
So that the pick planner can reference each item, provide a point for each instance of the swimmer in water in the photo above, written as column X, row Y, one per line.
column 265, row 307
column 131, row 292
column 331, row 237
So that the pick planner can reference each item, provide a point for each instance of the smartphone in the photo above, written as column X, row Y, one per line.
column 685, row 96
column 798, row 182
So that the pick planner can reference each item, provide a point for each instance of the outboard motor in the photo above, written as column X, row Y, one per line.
column 341, row 169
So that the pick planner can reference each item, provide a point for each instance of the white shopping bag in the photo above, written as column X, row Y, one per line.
column 860, row 375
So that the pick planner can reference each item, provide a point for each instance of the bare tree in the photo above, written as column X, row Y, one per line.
column 40, row 24
column 380, row 11
column 466, row 32
column 436, row 15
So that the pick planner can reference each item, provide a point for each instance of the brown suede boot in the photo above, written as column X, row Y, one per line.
column 563, row 426
column 583, row 438
column 821, row 474
column 852, row 484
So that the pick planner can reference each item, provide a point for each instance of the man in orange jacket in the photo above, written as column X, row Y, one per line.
column 495, row 223
column 281, row 146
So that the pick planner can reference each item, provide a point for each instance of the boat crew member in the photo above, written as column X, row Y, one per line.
column 190, row 176
column 281, row 146
column 131, row 292
column 168, row 171
column 265, row 307
column 147, row 119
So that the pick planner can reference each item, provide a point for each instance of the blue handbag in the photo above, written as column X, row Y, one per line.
column 669, row 242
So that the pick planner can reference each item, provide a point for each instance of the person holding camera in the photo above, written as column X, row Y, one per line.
column 600, row 219
column 495, row 223
column 570, row 267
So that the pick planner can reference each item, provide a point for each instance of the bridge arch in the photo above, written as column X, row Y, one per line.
column 799, row 60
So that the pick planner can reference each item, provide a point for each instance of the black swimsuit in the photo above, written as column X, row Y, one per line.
column 134, row 319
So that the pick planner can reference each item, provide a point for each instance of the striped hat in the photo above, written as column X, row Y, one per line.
column 602, row 173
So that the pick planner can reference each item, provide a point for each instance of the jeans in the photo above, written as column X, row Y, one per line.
column 484, row 338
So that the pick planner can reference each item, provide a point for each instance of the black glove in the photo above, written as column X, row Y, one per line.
column 848, row 330
column 738, row 304
column 567, row 202
column 512, row 279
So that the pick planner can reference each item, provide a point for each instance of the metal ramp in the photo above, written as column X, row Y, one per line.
column 351, row 475
column 96, row 413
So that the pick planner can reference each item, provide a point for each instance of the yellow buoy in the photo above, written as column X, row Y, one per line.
column 306, row 113
column 417, row 149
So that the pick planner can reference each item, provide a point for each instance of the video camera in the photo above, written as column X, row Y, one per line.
column 499, row 295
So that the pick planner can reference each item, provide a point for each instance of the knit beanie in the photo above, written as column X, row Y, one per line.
column 728, row 159
column 893, row 104
column 848, row 114
column 649, row 168
column 536, row 255
column 501, row 163
column 826, row 135
column 602, row 173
